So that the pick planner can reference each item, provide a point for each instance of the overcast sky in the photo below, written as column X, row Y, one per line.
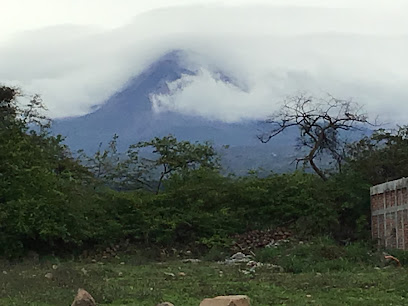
column 77, row 53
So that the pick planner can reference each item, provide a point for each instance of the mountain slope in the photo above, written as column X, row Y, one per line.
column 129, row 114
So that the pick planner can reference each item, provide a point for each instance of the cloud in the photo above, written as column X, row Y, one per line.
column 271, row 51
column 209, row 96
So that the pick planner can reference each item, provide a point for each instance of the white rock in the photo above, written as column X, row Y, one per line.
column 191, row 260
column 49, row 275
column 170, row 274
column 238, row 256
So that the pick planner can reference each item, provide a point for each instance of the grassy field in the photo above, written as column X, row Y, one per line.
column 131, row 281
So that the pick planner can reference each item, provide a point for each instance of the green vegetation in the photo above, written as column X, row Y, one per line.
column 167, row 193
column 345, row 276
column 321, row 255
column 53, row 202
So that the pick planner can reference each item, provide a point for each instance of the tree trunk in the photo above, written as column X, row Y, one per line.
column 317, row 170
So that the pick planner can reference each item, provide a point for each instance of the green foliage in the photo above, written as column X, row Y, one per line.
column 36, row 178
column 174, row 156
column 205, row 208
column 192, row 209
column 381, row 157
column 51, row 201
column 320, row 255
column 104, row 164
column 45, row 195
column 350, row 195
column 295, row 198
column 48, row 201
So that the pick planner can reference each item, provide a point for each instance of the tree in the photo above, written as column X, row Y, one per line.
column 41, row 185
column 320, row 122
column 380, row 157
column 175, row 156
column 104, row 164
column 13, row 115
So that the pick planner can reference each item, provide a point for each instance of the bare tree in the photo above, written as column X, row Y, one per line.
column 319, row 122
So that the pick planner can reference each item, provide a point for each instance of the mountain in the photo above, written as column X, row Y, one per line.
column 130, row 115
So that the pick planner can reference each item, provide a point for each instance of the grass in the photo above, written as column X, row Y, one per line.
column 321, row 255
column 112, row 283
column 318, row 279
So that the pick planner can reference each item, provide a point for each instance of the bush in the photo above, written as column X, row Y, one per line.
column 50, row 202
column 319, row 255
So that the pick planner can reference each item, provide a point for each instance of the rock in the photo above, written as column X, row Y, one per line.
column 259, row 239
column 254, row 264
column 83, row 298
column 271, row 244
column 246, row 272
column 54, row 267
column 191, row 260
column 170, row 274
column 165, row 304
column 182, row 274
column 49, row 275
column 233, row 300
column 276, row 268
column 238, row 256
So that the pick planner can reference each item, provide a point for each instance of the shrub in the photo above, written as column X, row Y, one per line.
column 319, row 255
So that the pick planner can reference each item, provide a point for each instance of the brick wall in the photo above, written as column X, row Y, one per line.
column 389, row 214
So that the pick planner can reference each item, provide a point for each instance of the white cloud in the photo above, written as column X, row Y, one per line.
column 354, row 51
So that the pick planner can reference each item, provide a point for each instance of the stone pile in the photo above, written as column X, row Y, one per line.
column 260, row 239
column 250, row 264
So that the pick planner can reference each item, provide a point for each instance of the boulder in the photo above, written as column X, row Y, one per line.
column 233, row 300
column 165, row 304
column 83, row 298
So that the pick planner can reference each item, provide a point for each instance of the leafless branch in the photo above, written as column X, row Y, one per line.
column 319, row 122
